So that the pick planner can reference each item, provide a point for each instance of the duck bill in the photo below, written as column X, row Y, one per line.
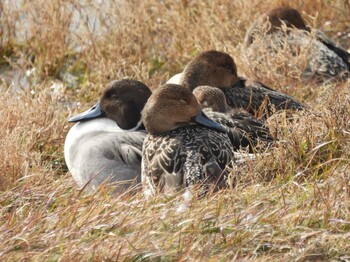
column 93, row 112
column 203, row 120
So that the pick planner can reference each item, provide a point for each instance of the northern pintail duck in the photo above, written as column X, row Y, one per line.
column 183, row 146
column 218, row 69
column 243, row 129
column 106, row 144
column 283, row 28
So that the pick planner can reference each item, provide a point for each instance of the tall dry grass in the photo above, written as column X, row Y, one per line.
column 291, row 203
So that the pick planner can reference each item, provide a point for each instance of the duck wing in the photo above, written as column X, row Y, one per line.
column 243, row 129
column 252, row 95
column 340, row 51
column 162, row 162
column 109, row 157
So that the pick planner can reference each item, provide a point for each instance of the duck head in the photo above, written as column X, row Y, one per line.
column 211, row 97
column 172, row 106
column 288, row 16
column 213, row 68
column 121, row 101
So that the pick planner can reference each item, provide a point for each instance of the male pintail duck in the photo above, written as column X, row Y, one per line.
column 243, row 129
column 106, row 143
column 218, row 69
column 325, row 60
column 183, row 146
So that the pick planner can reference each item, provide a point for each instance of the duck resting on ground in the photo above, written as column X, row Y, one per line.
column 283, row 28
column 243, row 129
column 105, row 145
column 183, row 147
column 218, row 69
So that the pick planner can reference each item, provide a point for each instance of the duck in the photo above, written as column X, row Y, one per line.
column 243, row 129
column 218, row 69
column 284, row 27
column 183, row 148
column 105, row 144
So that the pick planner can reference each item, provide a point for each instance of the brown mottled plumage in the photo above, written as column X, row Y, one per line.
column 183, row 147
column 243, row 129
column 218, row 69
column 285, row 26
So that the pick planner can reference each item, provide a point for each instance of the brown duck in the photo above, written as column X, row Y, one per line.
column 243, row 129
column 280, row 27
column 218, row 69
column 183, row 147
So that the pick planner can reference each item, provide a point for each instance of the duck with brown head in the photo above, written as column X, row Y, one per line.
column 243, row 129
column 289, row 17
column 106, row 143
column 218, row 69
column 284, row 27
column 212, row 68
column 184, row 147
column 210, row 97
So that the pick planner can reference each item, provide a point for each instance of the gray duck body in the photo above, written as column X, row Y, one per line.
column 105, row 145
column 109, row 158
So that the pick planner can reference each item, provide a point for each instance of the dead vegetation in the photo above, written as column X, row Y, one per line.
column 291, row 203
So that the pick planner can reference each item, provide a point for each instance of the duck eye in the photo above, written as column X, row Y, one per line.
column 112, row 95
column 230, row 69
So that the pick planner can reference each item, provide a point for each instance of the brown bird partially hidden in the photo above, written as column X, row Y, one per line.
column 284, row 29
column 218, row 69
column 243, row 129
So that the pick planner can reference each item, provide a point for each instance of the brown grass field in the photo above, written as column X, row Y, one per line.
column 290, row 204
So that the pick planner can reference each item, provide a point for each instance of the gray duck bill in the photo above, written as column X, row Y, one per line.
column 92, row 113
column 203, row 120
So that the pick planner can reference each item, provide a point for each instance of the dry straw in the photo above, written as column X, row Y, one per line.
column 291, row 203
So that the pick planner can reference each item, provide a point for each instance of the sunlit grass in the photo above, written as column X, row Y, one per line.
column 291, row 203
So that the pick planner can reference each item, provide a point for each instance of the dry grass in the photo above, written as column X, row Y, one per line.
column 290, row 204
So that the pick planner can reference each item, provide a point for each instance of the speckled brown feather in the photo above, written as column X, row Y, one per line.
column 178, row 159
